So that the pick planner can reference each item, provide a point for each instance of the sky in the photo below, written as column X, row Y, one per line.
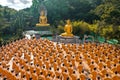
column 16, row 4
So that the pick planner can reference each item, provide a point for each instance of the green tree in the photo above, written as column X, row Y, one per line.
column 109, row 11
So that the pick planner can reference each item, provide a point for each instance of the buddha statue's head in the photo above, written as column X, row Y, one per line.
column 42, row 13
column 68, row 21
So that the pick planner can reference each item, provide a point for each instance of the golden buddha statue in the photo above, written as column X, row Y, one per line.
column 42, row 19
column 68, row 30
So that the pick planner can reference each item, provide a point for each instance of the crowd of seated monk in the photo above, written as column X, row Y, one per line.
column 42, row 59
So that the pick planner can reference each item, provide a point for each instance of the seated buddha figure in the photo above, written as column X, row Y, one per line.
column 42, row 19
column 67, row 29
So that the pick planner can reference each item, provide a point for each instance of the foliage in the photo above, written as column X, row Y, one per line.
column 80, row 28
column 109, row 11
column 1, row 41
column 60, row 28
column 10, row 23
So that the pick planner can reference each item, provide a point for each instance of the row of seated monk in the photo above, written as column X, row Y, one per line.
column 45, row 60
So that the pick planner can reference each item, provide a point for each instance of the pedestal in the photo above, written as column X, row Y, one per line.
column 42, row 28
column 41, row 25
column 63, row 39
